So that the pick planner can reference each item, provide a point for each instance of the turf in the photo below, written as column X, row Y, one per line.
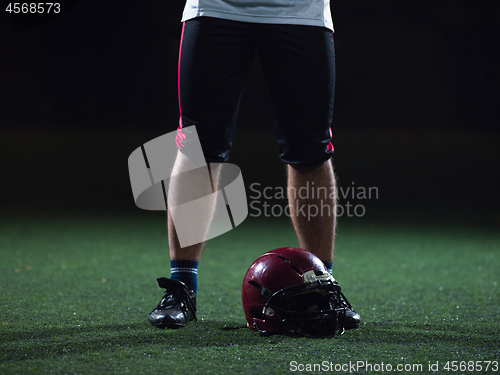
column 76, row 292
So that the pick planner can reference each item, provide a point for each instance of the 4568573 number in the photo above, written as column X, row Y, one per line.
column 471, row 366
column 38, row 8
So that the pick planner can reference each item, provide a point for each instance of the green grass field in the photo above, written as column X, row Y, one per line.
column 76, row 292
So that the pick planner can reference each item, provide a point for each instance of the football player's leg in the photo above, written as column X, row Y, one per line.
column 314, row 218
column 188, row 225
column 213, row 63
column 299, row 65
column 312, row 199
column 191, row 206
column 187, row 186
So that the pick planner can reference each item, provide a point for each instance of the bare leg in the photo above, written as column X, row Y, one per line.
column 195, row 184
column 312, row 196
column 192, row 252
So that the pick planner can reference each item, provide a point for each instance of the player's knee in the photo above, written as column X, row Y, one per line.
column 307, row 168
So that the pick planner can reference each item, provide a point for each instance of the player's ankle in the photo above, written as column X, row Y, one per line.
column 185, row 271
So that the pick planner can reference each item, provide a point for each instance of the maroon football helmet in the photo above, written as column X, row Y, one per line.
column 290, row 288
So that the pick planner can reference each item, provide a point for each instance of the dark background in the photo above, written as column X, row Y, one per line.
column 415, row 114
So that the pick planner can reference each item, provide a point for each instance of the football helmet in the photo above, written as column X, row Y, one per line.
column 290, row 289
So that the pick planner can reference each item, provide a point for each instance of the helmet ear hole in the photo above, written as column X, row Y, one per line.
column 255, row 284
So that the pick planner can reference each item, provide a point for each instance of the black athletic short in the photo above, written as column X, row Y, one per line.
column 298, row 63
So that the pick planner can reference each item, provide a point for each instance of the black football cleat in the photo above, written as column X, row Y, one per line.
column 177, row 306
column 352, row 318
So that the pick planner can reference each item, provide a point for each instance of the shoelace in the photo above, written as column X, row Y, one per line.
column 179, row 291
column 345, row 305
column 345, row 301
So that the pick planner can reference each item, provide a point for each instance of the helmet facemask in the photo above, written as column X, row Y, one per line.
column 312, row 309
